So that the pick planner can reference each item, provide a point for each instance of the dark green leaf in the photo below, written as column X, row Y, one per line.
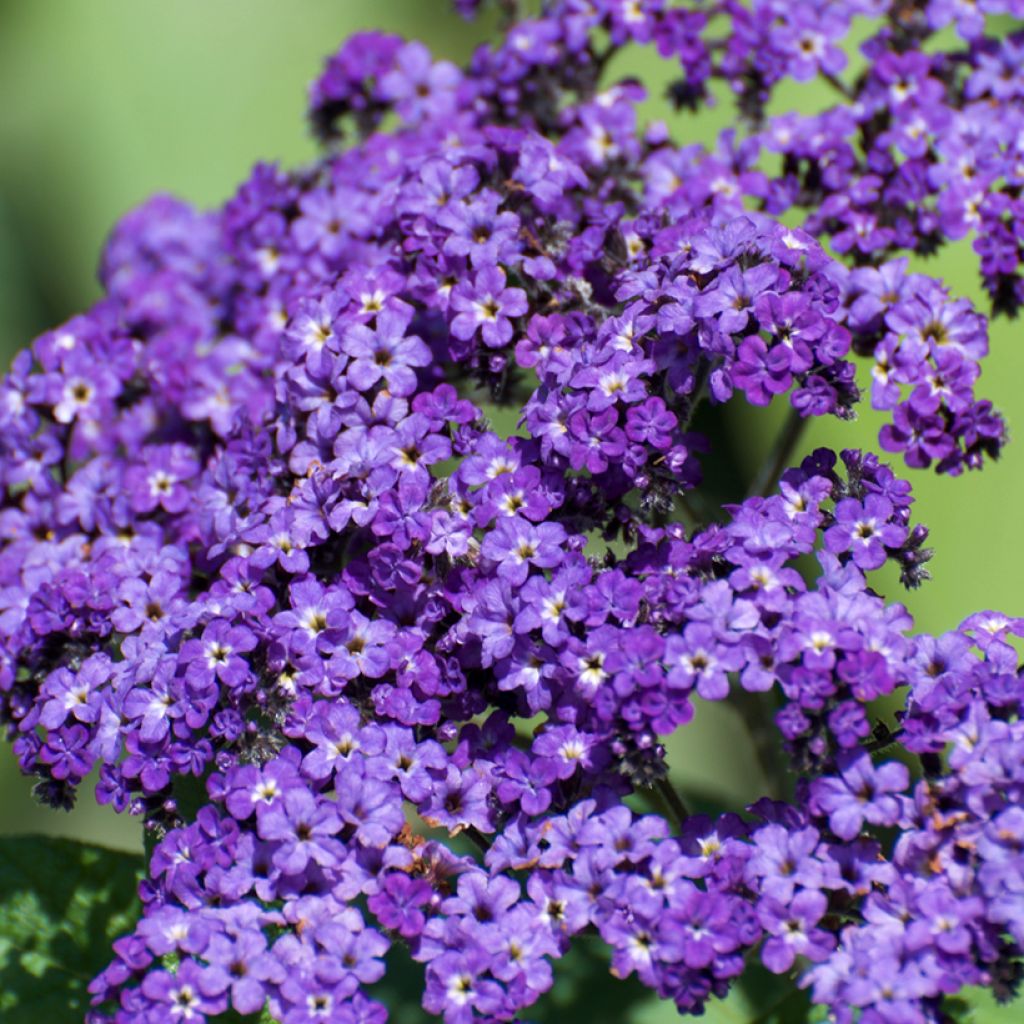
column 62, row 904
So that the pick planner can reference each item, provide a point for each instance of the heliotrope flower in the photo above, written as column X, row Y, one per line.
column 370, row 509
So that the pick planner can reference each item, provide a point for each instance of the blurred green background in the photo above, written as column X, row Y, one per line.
column 108, row 101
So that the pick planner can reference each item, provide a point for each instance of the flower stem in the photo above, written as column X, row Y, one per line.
column 480, row 840
column 673, row 800
column 757, row 712
column 767, row 479
column 841, row 87
column 882, row 739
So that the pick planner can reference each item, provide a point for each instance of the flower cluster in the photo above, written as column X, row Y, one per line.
column 377, row 674
column 924, row 148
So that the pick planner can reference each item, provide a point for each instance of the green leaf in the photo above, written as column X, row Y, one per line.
column 62, row 904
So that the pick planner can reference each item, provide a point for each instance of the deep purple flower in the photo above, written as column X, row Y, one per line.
column 217, row 654
column 160, row 481
column 74, row 695
column 792, row 930
column 596, row 440
column 862, row 793
column 866, row 529
column 516, row 545
column 457, row 988
column 488, row 306
column 241, row 966
column 303, row 827
column 398, row 904
column 184, row 996
column 385, row 353
column 418, row 86
column 297, row 599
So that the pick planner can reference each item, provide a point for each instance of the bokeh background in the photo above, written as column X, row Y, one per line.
column 108, row 101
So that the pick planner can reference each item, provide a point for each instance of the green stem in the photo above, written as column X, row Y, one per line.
column 673, row 800
column 478, row 838
column 785, row 445
column 883, row 738
column 841, row 87
column 758, row 714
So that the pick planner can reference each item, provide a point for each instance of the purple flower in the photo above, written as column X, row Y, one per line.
column 357, row 948
column 315, row 616
column 385, row 353
column 807, row 38
column 398, row 903
column 792, row 930
column 458, row 989
column 459, row 801
column 369, row 807
column 651, row 423
column 415, row 448
column 479, row 232
column 241, row 965
column 302, row 827
column 253, row 537
column 160, row 481
column 74, row 695
column 619, row 379
column 784, row 858
column 338, row 734
column 596, row 440
column 158, row 706
column 861, row 793
column 184, row 996
column 487, row 306
column 731, row 296
column 279, row 541
column 945, row 922
column 249, row 787
column 362, row 648
column 82, row 391
column 698, row 660
column 516, row 545
column 328, row 217
column 417, row 86
column 217, row 655
column 66, row 754
column 147, row 604
column 761, row 373
column 866, row 529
